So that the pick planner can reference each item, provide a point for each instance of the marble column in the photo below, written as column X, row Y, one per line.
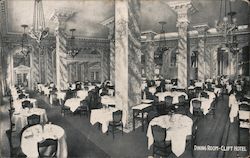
column 127, row 58
column 86, row 71
column 61, row 17
column 110, row 23
column 181, row 8
column 149, row 55
column 202, row 69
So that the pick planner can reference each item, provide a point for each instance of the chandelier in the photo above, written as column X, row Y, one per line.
column 227, row 25
column 38, row 31
column 162, row 45
column 72, row 50
column 24, row 50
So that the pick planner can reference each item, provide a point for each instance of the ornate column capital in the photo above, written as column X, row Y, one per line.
column 201, row 28
column 181, row 8
column 61, row 16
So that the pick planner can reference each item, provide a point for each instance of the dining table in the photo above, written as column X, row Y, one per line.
column 205, row 104
column 174, row 94
column 73, row 103
column 108, row 100
column 34, row 134
column 178, row 127
column 103, row 116
column 17, row 104
column 19, row 118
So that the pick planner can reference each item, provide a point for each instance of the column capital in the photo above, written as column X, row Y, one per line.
column 149, row 35
column 61, row 16
column 181, row 8
column 201, row 28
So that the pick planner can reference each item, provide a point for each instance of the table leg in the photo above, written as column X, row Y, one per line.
column 142, row 120
column 133, row 120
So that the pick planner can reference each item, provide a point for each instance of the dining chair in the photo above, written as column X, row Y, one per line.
column 48, row 147
column 116, row 122
column 169, row 103
column 84, row 108
column 27, row 104
column 151, row 115
column 161, row 147
column 197, row 111
column 15, row 151
column 33, row 119
column 204, row 95
column 11, row 111
column 21, row 96
column 192, row 138
column 65, row 109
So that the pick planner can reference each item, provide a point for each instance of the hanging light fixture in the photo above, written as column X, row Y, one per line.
column 24, row 50
column 162, row 45
column 71, row 45
column 228, row 25
column 38, row 31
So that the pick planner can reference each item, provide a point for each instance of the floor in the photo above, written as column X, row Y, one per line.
column 86, row 140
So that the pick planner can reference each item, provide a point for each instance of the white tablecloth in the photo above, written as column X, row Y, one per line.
column 17, row 104
column 82, row 94
column 103, row 116
column 217, row 91
column 73, row 103
column 20, row 118
column 175, row 95
column 61, row 95
column 108, row 100
column 205, row 105
column 32, row 135
column 178, row 127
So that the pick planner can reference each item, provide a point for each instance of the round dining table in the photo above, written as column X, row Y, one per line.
column 19, row 118
column 34, row 134
column 178, row 128
column 17, row 104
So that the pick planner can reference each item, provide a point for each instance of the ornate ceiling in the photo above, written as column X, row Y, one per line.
column 90, row 13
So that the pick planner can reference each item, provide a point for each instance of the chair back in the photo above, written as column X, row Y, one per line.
column 33, row 119
column 204, row 95
column 21, row 96
column 196, row 104
column 181, row 98
column 168, row 100
column 159, row 133
column 151, row 115
column 48, row 147
column 117, row 116
column 244, row 107
column 26, row 104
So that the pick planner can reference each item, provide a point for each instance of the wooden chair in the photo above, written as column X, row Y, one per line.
column 21, row 96
column 26, row 104
column 84, row 108
column 192, row 138
column 161, row 147
column 197, row 108
column 48, row 147
column 169, row 103
column 116, row 122
column 65, row 110
column 33, row 120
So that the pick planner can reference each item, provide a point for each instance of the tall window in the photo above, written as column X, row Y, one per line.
column 173, row 58
column 95, row 76
column 194, row 59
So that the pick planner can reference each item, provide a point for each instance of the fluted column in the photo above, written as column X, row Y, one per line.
column 110, row 23
column 61, row 17
column 181, row 8
column 127, row 58
column 202, row 54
